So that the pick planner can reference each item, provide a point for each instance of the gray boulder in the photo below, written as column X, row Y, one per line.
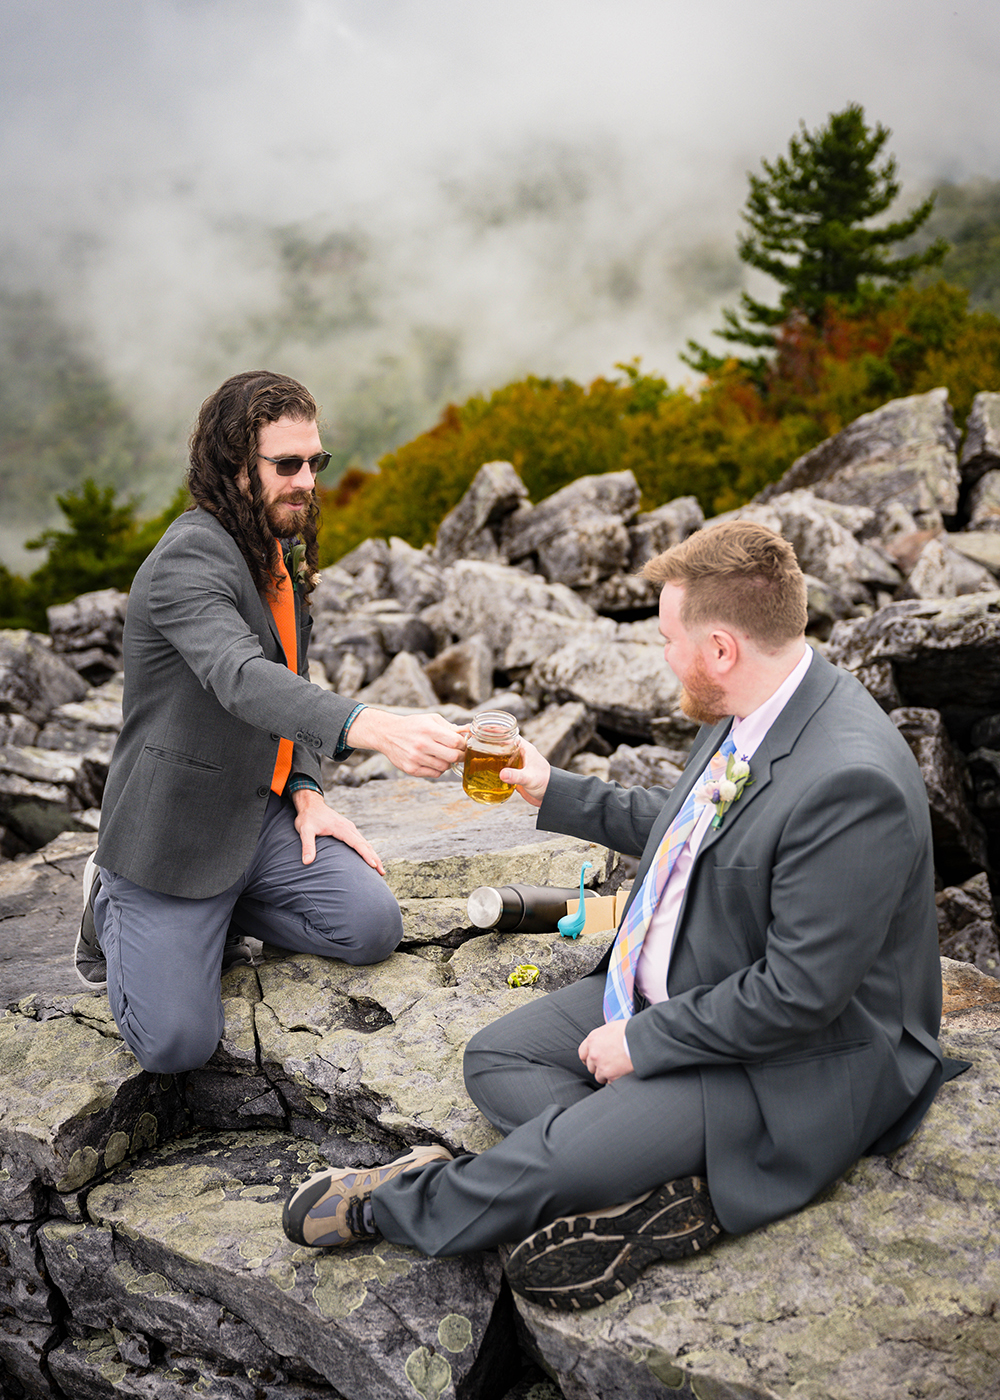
column 44, row 792
column 560, row 731
column 943, row 572
column 938, row 653
column 354, row 641
column 538, row 632
column 967, row 926
column 984, row 501
column 490, row 600
column 34, row 681
column 88, row 632
column 587, row 553
column 469, row 531
column 648, row 765
column 981, row 546
column 660, row 529
column 462, row 674
column 959, row 840
column 624, row 683
column 89, row 726
column 399, row 630
column 17, row 731
column 620, row 593
column 903, row 453
column 613, row 496
column 981, row 449
column 415, row 577
column 821, row 533
column 368, row 565
column 403, row 682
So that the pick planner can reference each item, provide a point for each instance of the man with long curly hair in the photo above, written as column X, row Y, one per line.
column 214, row 825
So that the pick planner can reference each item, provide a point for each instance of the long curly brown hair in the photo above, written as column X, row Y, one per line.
column 224, row 444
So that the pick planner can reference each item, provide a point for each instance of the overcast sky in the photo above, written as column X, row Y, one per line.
column 538, row 185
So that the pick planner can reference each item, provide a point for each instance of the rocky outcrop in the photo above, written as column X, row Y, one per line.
column 538, row 609
column 903, row 456
column 141, row 1252
column 140, row 1244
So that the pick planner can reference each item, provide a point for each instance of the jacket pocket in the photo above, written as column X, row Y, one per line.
column 742, row 876
column 184, row 759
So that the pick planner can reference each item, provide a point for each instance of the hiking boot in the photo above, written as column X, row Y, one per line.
column 332, row 1206
column 88, row 960
column 581, row 1260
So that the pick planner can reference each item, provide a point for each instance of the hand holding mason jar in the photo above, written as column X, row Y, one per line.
column 493, row 743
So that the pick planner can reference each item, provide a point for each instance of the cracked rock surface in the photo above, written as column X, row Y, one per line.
column 141, row 1252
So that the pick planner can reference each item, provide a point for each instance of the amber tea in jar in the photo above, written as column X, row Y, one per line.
column 493, row 743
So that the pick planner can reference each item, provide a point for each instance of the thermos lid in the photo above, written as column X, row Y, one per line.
column 485, row 906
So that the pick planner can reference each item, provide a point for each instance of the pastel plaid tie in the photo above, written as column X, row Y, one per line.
column 620, row 983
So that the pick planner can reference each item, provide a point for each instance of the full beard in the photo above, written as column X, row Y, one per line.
column 701, row 698
column 283, row 523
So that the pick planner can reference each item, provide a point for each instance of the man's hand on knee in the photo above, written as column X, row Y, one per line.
column 314, row 818
column 604, row 1052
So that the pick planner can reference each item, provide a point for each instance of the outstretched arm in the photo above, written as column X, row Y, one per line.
column 422, row 745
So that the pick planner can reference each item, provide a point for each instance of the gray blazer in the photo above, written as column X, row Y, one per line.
column 805, row 981
column 207, row 697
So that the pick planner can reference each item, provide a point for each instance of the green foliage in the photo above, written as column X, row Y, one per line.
column 721, row 444
column 102, row 547
column 551, row 430
column 862, row 355
column 808, row 227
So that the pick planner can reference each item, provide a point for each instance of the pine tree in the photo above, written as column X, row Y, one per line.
column 807, row 221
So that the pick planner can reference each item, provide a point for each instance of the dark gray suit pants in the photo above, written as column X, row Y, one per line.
column 164, row 952
column 571, row 1145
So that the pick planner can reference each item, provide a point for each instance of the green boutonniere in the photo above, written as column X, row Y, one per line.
column 298, row 570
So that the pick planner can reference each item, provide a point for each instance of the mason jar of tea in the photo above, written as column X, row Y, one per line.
column 493, row 743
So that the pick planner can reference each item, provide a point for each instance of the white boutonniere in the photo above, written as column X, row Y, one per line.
column 298, row 570
column 721, row 793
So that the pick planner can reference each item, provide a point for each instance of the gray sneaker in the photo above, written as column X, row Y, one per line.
column 88, row 960
column 236, row 952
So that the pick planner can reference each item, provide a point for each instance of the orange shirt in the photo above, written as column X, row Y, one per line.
column 283, row 610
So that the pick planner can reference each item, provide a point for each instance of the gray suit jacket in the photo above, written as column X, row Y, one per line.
column 805, row 982
column 207, row 697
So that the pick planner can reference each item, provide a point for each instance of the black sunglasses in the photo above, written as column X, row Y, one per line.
column 291, row 466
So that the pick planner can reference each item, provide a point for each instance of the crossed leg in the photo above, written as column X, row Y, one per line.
column 572, row 1145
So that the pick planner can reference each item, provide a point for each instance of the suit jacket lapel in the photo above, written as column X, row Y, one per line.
column 777, row 743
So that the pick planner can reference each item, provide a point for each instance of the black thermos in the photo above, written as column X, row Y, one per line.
column 524, row 908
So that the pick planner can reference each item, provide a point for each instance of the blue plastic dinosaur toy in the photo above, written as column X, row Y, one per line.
column 571, row 925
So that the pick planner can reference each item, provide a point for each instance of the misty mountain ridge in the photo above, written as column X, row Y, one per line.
column 369, row 330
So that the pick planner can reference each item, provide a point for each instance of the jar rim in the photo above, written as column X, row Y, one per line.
column 499, row 717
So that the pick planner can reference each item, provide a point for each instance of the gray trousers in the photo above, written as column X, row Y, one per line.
column 572, row 1145
column 164, row 952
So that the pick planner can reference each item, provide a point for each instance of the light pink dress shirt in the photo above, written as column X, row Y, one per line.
column 747, row 733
